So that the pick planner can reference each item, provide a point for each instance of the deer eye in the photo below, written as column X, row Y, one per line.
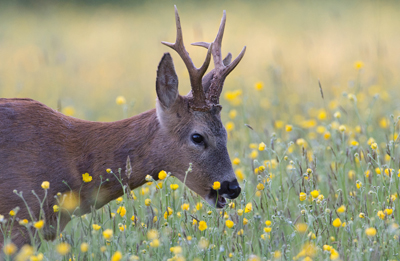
column 197, row 138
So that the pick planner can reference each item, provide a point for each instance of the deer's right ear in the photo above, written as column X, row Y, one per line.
column 167, row 82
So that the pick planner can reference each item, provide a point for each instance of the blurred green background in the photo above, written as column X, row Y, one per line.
column 83, row 54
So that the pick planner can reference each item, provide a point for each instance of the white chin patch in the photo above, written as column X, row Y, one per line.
column 210, row 201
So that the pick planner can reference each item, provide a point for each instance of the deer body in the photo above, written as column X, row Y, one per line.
column 54, row 147
column 40, row 144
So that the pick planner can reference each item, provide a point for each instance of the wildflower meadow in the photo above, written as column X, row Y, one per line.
column 312, row 116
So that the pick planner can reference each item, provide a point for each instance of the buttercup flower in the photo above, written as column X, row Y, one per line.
column 86, row 177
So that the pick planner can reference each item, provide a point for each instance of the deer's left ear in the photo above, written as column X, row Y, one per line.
column 167, row 82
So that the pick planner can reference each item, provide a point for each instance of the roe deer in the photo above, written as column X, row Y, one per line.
column 40, row 144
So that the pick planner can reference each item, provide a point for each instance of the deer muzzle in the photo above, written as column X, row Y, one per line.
column 230, row 189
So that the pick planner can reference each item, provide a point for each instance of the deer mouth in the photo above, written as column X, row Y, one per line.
column 215, row 199
column 221, row 202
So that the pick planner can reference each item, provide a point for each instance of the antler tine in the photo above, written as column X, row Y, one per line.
column 202, row 44
column 222, row 67
column 195, row 73
column 218, row 41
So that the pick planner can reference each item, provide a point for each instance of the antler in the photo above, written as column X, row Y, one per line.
column 221, row 70
column 195, row 74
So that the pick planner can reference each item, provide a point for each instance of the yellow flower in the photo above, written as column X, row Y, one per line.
column 300, row 142
column 39, row 224
column 121, row 227
column 326, row 247
column 236, row 161
column 56, row 208
column 301, row 227
column 202, row 225
column 96, row 227
column 261, row 146
column 232, row 114
column 268, row 223
column 341, row 209
column 381, row 215
column 248, row 208
column 63, row 248
column 302, row 196
column 152, row 234
column 267, row 229
column 289, row 128
column 147, row 202
column 86, row 177
column 361, row 215
column 358, row 184
column 12, row 213
column 337, row 222
column 371, row 232
column 334, row 254
column 245, row 221
column 388, row 211
column 314, row 193
column 117, row 256
column 168, row 213
column 374, row 146
column 378, row 171
column 10, row 249
column 84, row 247
column 23, row 222
column 230, row 126
column 239, row 174
column 259, row 86
column 155, row 243
column 121, row 211
column 185, row 206
column 229, row 223
column 120, row 100
column 279, row 124
column 260, row 186
column 327, row 135
column 108, row 171
column 253, row 154
column 108, row 234
column 199, row 206
column 358, row 65
column 162, row 174
column 45, row 185
column 176, row 250
column 68, row 111
column 240, row 212
column 39, row 257
column 351, row 97
column 342, row 128
column 174, row 186
column 216, row 185
column 337, row 115
column 119, row 200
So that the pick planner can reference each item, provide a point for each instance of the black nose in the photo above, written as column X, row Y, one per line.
column 230, row 189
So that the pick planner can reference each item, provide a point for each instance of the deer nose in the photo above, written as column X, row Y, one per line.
column 230, row 189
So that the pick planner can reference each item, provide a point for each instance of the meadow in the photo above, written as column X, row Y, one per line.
column 312, row 114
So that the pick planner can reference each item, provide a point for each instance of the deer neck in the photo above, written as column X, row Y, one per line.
column 127, row 147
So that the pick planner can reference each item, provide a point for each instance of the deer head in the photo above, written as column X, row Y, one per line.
column 193, row 124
